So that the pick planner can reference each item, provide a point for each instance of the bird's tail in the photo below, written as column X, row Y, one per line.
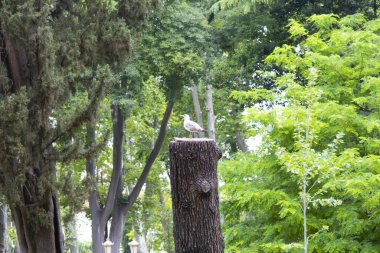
column 203, row 130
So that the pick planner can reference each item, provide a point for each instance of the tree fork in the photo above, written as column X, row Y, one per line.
column 194, row 183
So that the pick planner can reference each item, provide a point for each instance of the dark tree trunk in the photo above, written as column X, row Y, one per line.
column 3, row 228
column 97, row 229
column 38, row 227
column 118, row 220
column 194, row 183
column 116, row 185
column 97, row 224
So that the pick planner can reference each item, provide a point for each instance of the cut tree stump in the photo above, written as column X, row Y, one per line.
column 194, row 185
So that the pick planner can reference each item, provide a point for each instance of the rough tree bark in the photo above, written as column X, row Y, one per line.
column 3, row 228
column 38, row 235
column 210, row 113
column 194, row 183
column 197, row 108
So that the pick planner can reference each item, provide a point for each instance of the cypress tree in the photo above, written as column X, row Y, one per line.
column 50, row 51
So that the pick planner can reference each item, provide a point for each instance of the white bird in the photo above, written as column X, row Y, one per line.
column 191, row 126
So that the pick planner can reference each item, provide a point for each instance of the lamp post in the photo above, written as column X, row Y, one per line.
column 133, row 245
column 107, row 246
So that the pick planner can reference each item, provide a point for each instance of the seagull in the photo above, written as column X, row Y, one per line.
column 191, row 126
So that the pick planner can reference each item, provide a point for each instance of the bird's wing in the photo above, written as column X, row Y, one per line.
column 192, row 126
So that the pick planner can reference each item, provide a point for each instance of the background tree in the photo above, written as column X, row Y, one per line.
column 257, row 28
column 151, row 216
column 174, row 64
column 50, row 51
column 326, row 63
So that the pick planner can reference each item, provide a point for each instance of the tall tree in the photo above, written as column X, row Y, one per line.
column 151, row 214
column 50, row 51
column 319, row 151
column 167, row 54
column 257, row 28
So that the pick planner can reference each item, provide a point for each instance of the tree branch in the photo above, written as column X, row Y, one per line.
column 90, row 169
column 118, row 133
column 152, row 157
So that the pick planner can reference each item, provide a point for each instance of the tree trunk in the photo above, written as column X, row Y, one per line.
column 3, row 228
column 38, row 226
column 97, row 225
column 118, row 220
column 121, row 209
column 194, row 182
column 117, row 223
column 197, row 108
column 97, row 230
column 36, row 212
column 210, row 113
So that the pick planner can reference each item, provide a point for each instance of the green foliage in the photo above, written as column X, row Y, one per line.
column 173, row 48
column 84, row 247
column 319, row 141
column 71, row 55
column 247, row 5
column 58, row 60
column 151, row 214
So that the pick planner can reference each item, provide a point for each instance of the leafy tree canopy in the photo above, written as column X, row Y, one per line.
column 319, row 124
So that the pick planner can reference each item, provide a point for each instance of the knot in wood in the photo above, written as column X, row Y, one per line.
column 185, row 204
column 202, row 185
column 191, row 154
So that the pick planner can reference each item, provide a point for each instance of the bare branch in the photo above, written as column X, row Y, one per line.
column 153, row 155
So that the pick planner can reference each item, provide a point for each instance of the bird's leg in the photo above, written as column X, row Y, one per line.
column 190, row 135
